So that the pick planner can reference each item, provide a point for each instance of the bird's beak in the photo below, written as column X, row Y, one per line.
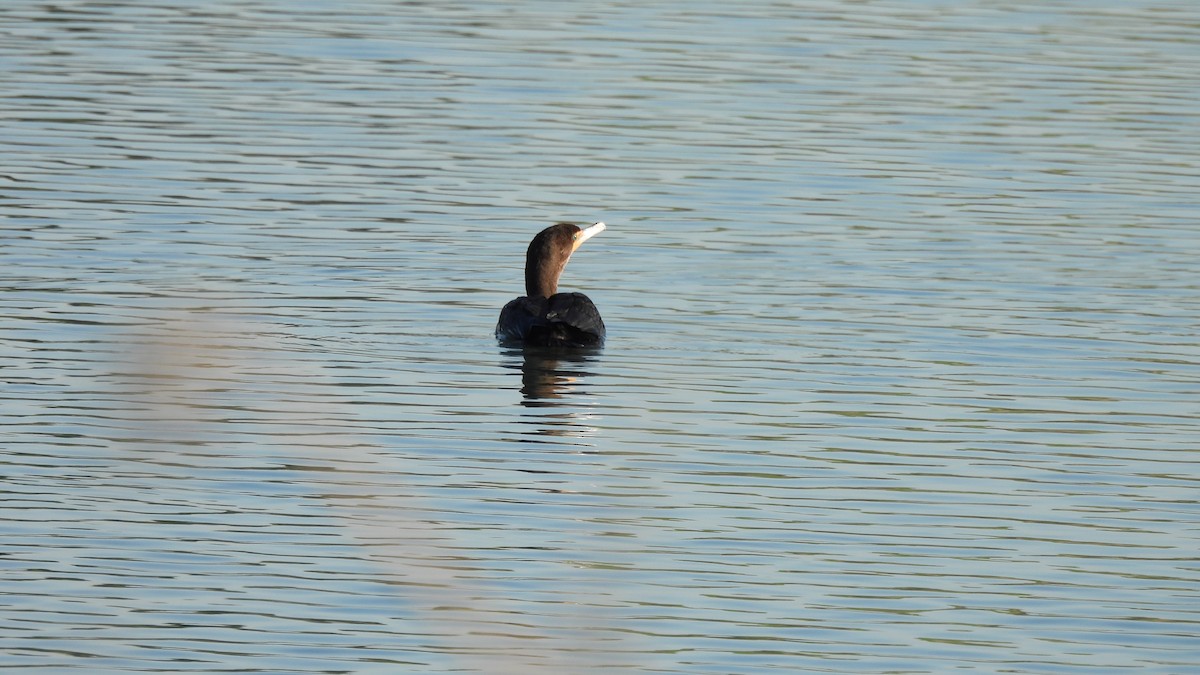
column 587, row 233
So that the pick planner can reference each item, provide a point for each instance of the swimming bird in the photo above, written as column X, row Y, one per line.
column 544, row 317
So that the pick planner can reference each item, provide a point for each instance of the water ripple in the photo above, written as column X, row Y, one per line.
column 901, row 376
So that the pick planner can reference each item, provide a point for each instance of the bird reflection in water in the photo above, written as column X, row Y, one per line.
column 548, row 375
column 556, row 378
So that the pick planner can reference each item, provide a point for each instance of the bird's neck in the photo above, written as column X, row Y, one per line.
column 540, row 283
column 541, row 277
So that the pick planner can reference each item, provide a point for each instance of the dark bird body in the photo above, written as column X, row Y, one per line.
column 543, row 317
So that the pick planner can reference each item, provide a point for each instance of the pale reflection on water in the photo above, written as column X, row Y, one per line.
column 901, row 376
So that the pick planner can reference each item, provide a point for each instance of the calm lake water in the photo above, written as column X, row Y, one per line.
column 902, row 374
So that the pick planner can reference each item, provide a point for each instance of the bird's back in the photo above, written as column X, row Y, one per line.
column 562, row 320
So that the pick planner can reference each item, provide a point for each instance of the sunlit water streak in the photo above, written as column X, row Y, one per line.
column 902, row 373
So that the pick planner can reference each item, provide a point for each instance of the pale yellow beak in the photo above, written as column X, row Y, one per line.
column 587, row 233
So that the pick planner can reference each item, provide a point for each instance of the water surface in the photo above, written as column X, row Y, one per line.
column 902, row 371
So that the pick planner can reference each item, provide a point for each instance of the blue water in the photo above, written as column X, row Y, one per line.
column 902, row 372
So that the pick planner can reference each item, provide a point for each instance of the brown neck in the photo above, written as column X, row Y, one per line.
column 541, row 275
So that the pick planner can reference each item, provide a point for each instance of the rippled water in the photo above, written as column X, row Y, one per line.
column 902, row 371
